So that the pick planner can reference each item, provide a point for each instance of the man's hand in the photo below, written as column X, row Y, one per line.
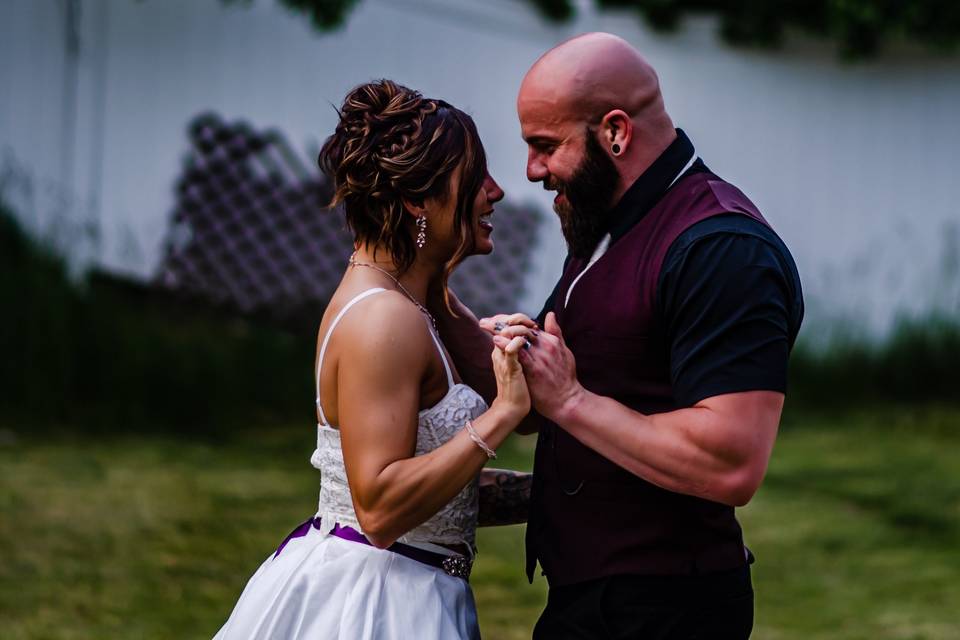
column 549, row 367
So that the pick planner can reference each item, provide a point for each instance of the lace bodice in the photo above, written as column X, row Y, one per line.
column 456, row 522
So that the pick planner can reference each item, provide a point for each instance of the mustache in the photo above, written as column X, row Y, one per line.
column 553, row 185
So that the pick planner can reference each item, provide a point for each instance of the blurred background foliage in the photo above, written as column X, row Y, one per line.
column 104, row 354
column 860, row 28
column 323, row 14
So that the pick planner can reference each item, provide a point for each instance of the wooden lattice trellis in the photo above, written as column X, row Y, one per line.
column 250, row 231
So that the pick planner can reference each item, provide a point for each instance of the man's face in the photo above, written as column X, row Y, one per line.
column 567, row 158
column 584, row 209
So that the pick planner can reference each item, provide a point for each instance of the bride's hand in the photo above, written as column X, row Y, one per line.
column 504, row 328
column 505, row 322
column 512, row 394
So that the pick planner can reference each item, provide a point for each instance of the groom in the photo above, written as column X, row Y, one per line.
column 659, row 379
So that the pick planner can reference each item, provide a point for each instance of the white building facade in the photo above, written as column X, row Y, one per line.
column 855, row 165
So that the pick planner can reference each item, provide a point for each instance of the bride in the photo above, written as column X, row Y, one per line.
column 400, row 441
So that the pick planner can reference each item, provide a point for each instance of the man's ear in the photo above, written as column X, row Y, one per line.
column 616, row 132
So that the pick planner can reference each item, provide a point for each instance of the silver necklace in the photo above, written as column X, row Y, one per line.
column 354, row 263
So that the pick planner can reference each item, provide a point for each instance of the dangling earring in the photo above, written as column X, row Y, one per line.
column 616, row 149
column 421, row 231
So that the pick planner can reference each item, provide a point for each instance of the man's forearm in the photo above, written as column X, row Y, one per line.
column 504, row 497
column 717, row 450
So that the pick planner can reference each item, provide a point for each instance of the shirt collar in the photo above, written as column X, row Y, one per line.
column 647, row 190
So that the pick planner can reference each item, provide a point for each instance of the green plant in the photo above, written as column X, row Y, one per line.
column 915, row 364
column 860, row 28
column 104, row 354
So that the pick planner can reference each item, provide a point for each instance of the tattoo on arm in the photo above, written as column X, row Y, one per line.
column 504, row 497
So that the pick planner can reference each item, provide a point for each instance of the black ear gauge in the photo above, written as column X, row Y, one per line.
column 615, row 148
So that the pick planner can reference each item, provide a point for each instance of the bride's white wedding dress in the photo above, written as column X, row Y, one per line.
column 326, row 585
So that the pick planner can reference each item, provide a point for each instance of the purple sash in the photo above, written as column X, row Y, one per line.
column 457, row 565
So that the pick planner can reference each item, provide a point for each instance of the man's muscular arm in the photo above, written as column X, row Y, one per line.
column 730, row 298
column 717, row 449
column 504, row 497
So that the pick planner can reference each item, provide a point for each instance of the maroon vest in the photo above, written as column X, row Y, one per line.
column 589, row 517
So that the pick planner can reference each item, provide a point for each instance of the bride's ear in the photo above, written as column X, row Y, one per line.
column 416, row 208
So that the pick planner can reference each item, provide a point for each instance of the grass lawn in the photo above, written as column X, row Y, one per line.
column 856, row 531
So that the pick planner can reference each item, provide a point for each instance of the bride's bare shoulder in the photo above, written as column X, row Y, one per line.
column 385, row 332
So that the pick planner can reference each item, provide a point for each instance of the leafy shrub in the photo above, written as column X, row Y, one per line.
column 917, row 363
column 103, row 354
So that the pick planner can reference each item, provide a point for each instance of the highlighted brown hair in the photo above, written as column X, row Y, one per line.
column 391, row 145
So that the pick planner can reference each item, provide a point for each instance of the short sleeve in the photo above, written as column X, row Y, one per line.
column 730, row 298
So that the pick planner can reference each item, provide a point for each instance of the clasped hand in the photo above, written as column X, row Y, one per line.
column 548, row 365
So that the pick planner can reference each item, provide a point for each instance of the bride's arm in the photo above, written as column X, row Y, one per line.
column 378, row 402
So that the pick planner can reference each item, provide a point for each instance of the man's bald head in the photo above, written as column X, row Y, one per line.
column 593, row 118
column 592, row 74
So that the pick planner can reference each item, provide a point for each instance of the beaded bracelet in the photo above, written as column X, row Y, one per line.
column 479, row 441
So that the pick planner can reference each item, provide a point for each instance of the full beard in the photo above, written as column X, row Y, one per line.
column 585, row 212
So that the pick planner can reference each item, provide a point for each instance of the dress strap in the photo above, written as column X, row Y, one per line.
column 326, row 340
column 443, row 357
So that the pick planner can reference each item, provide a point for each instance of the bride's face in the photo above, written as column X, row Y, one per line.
column 482, row 213
column 444, row 235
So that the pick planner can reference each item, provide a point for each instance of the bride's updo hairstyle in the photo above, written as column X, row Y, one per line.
column 391, row 145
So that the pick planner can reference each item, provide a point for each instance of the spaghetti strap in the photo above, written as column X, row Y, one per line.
column 326, row 340
column 443, row 357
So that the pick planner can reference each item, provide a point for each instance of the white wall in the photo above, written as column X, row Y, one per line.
column 855, row 165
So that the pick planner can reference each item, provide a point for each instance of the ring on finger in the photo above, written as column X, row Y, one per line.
column 498, row 326
column 527, row 344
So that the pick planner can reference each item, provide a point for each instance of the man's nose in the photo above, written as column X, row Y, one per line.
column 536, row 169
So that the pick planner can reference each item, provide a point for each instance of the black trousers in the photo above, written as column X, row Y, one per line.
column 715, row 606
